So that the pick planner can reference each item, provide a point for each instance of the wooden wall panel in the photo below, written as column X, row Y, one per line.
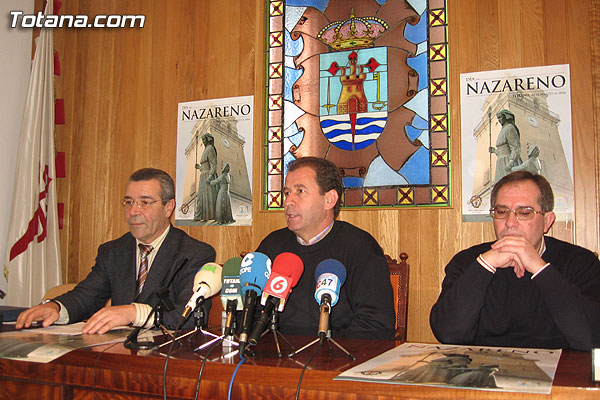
column 584, row 151
column 121, row 88
column 595, row 62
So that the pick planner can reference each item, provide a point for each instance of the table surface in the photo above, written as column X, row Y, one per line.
column 114, row 367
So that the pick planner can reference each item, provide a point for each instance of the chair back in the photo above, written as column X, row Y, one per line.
column 62, row 289
column 58, row 290
column 399, row 279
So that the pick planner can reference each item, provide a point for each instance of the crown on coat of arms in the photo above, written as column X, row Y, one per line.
column 352, row 33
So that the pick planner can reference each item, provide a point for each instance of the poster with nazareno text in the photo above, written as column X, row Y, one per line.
column 214, row 162
column 513, row 120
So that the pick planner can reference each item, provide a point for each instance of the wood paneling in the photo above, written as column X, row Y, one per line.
column 121, row 88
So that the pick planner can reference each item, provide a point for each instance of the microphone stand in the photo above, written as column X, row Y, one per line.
column 324, row 334
column 270, row 314
column 163, row 301
column 199, row 325
column 329, row 339
column 274, row 329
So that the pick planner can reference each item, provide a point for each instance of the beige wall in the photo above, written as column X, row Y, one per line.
column 121, row 88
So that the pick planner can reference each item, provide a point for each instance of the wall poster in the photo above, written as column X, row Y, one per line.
column 362, row 83
column 516, row 119
column 214, row 162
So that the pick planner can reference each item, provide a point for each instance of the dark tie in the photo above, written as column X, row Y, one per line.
column 143, row 272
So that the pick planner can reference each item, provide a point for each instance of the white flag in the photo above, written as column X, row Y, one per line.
column 32, row 264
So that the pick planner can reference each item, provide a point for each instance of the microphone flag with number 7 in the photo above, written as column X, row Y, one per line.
column 286, row 272
column 330, row 276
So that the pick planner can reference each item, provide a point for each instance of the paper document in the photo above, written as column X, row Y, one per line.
column 46, row 344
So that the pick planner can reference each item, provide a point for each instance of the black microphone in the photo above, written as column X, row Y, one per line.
column 255, row 270
column 131, row 341
column 287, row 270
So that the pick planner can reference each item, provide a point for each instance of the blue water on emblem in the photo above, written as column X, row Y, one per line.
column 338, row 129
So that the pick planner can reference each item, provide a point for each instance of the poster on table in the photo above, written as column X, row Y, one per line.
column 511, row 120
column 468, row 367
column 214, row 162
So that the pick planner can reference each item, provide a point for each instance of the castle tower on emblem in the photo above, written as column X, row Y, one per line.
column 359, row 115
column 352, row 99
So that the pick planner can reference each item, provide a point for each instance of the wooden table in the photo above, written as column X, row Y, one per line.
column 114, row 372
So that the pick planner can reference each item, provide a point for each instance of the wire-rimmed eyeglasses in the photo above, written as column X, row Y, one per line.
column 143, row 203
column 522, row 213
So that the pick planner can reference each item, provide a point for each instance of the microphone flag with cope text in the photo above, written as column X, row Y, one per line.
column 287, row 270
column 32, row 261
column 207, row 283
column 330, row 275
column 231, row 292
column 255, row 270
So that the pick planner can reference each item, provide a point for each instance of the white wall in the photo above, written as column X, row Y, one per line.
column 15, row 52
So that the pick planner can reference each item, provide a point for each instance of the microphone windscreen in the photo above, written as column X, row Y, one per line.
column 255, row 270
column 231, row 289
column 331, row 266
column 210, row 274
column 289, row 264
column 330, row 275
column 232, row 267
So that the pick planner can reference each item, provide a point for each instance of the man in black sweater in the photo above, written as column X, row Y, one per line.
column 525, row 289
column 365, row 309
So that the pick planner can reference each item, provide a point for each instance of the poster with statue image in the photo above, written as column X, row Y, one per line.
column 511, row 120
column 214, row 162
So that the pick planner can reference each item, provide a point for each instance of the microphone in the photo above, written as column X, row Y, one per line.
column 330, row 276
column 131, row 342
column 231, row 297
column 207, row 282
column 287, row 270
column 255, row 270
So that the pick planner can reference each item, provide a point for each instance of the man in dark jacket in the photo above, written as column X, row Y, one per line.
column 130, row 269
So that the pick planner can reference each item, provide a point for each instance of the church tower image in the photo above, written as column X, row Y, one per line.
column 538, row 127
column 229, row 146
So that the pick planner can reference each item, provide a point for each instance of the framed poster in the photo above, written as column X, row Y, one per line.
column 214, row 162
column 516, row 119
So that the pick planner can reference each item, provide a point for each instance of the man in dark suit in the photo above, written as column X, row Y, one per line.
column 130, row 269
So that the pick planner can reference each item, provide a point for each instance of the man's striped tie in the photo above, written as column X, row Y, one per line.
column 143, row 272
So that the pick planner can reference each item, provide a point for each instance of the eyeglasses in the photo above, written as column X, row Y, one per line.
column 143, row 204
column 522, row 213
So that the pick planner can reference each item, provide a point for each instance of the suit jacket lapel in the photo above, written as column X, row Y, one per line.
column 160, row 266
column 126, row 275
